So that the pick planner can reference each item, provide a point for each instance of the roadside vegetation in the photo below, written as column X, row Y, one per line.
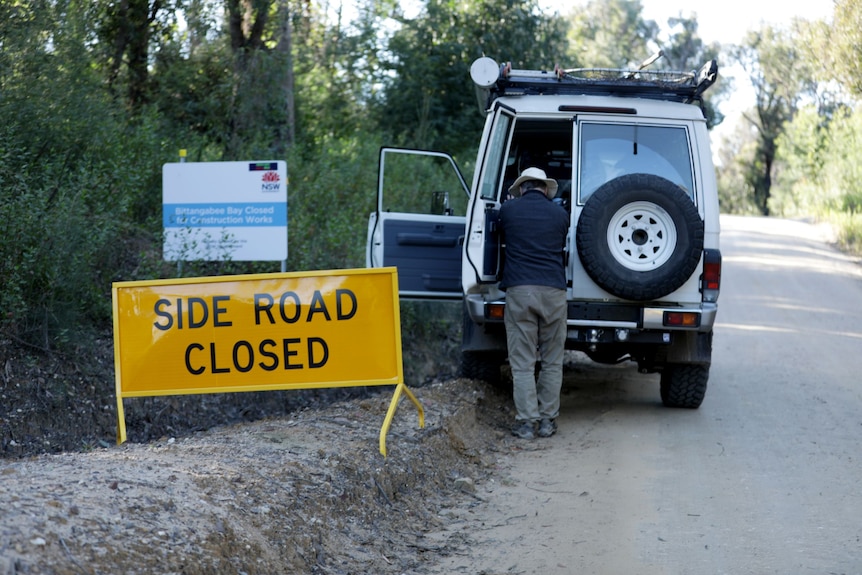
column 96, row 95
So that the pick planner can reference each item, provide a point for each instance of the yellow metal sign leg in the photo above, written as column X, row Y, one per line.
column 390, row 414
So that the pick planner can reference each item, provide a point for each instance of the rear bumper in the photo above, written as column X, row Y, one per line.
column 607, row 332
column 627, row 316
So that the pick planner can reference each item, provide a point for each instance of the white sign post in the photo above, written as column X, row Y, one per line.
column 219, row 211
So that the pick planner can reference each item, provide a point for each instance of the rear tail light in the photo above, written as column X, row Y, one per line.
column 495, row 311
column 681, row 319
column 710, row 281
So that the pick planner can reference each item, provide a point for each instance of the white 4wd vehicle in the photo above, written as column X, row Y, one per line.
column 630, row 151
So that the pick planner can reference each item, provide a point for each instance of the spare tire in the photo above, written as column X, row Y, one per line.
column 639, row 237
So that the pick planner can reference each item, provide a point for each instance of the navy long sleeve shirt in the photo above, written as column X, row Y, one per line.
column 534, row 230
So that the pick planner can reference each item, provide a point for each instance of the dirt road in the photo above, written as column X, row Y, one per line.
column 763, row 478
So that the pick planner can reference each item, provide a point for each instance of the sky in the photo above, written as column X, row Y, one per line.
column 723, row 21
column 726, row 22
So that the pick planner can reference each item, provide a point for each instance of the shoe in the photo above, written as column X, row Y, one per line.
column 524, row 430
column 547, row 427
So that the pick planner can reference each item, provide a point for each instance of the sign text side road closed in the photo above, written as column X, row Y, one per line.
column 218, row 211
column 257, row 332
column 268, row 330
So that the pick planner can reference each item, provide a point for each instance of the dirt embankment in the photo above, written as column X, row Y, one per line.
column 303, row 493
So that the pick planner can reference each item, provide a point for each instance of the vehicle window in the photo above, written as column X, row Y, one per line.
column 495, row 154
column 608, row 151
column 542, row 143
column 421, row 183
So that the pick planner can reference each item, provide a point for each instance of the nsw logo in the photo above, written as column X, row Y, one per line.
column 270, row 182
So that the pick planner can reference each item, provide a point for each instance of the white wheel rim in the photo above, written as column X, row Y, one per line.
column 641, row 236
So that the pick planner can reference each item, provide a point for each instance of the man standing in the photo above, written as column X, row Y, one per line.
column 534, row 233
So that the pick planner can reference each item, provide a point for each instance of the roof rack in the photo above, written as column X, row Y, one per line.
column 495, row 81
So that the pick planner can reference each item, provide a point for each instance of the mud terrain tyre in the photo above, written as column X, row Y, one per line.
column 639, row 237
column 684, row 385
column 482, row 365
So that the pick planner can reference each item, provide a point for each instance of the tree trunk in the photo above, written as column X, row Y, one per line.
column 246, row 22
column 285, row 50
column 141, row 17
column 131, row 37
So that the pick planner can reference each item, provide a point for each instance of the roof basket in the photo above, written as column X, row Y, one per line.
column 494, row 81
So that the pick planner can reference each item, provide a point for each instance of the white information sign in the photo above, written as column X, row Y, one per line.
column 219, row 211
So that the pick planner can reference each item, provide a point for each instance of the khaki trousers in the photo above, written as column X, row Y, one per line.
column 536, row 328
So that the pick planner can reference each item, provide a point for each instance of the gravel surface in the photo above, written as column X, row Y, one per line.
column 304, row 493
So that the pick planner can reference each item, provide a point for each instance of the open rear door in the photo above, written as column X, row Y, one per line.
column 418, row 226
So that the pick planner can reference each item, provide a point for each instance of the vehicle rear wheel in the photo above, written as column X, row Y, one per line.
column 639, row 237
column 483, row 365
column 684, row 385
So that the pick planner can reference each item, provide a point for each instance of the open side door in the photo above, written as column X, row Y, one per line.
column 497, row 172
column 418, row 226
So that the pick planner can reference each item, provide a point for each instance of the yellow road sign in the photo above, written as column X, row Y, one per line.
column 257, row 332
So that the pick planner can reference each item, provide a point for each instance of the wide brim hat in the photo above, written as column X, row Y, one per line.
column 535, row 174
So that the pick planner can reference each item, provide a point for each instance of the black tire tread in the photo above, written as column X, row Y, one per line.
column 484, row 366
column 684, row 385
